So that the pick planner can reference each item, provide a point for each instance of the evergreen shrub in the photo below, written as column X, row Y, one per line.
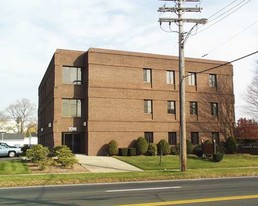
column 141, row 146
column 163, row 147
column 152, row 149
column 37, row 153
column 65, row 157
column 231, row 145
column 217, row 157
column 112, row 148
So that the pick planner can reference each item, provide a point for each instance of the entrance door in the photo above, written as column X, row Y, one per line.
column 73, row 141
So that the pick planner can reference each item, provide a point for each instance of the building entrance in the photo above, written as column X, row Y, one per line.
column 74, row 141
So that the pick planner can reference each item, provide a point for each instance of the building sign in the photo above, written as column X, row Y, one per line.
column 72, row 129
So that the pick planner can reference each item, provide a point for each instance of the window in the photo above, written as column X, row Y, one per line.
column 149, row 137
column 212, row 80
column 215, row 136
column 172, row 140
column 195, row 138
column 214, row 109
column 192, row 79
column 72, row 75
column 193, row 108
column 147, row 75
column 148, row 106
column 170, row 77
column 71, row 108
column 171, row 107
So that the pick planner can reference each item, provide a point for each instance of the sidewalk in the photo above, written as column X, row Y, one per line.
column 99, row 164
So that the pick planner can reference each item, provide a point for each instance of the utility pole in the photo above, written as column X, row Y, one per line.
column 179, row 11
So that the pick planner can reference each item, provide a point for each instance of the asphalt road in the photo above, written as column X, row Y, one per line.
column 212, row 192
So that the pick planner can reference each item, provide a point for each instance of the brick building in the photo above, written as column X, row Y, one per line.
column 88, row 98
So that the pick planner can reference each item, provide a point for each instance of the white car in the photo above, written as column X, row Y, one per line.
column 6, row 150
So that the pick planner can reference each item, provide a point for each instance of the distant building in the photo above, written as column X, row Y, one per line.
column 17, row 139
column 88, row 98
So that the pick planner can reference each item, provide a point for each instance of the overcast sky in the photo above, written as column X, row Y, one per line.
column 31, row 31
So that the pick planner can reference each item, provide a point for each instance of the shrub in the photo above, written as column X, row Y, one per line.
column 37, row 153
column 231, row 145
column 25, row 148
column 65, row 157
column 197, row 150
column 123, row 151
column 58, row 147
column 221, row 149
column 152, row 149
column 189, row 146
column 112, row 148
column 132, row 151
column 175, row 150
column 217, row 157
column 163, row 147
column 141, row 145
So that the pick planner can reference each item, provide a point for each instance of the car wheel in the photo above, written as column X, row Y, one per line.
column 11, row 154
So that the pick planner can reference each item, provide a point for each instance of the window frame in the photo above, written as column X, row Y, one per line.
column 213, row 80
column 193, row 136
column 215, row 136
column 72, row 75
column 171, row 107
column 149, row 136
column 214, row 108
column 148, row 107
column 193, row 108
column 170, row 77
column 172, row 138
column 73, row 107
column 147, row 75
column 192, row 79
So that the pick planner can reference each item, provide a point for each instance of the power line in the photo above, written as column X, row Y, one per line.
column 222, row 9
column 221, row 65
column 222, row 18
column 234, row 36
column 235, row 60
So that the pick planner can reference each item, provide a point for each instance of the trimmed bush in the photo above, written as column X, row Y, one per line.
column 112, row 148
column 197, row 150
column 231, row 145
column 141, row 146
column 65, row 157
column 175, row 150
column 37, row 153
column 123, row 151
column 163, row 147
column 217, row 157
column 189, row 146
column 132, row 151
column 152, row 149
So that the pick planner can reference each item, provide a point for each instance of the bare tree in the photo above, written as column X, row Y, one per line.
column 3, row 120
column 251, row 98
column 21, row 112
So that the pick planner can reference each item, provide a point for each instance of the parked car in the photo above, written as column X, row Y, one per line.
column 7, row 150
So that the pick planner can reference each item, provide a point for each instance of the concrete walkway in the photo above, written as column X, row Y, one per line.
column 99, row 164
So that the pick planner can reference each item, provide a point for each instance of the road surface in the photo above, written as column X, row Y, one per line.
column 212, row 192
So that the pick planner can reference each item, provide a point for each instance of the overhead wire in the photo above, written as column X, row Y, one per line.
column 221, row 65
column 223, row 17
column 222, row 44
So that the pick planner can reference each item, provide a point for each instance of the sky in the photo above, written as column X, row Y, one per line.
column 32, row 30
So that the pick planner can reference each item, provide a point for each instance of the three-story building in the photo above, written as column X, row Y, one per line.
column 88, row 98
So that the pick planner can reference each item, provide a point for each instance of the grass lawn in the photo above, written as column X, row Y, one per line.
column 172, row 162
column 230, row 166
column 13, row 167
